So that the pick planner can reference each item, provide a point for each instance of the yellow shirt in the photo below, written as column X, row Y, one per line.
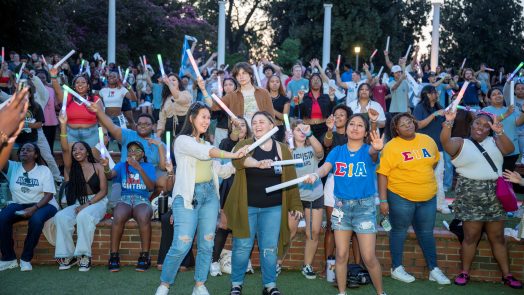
column 409, row 165
column 203, row 171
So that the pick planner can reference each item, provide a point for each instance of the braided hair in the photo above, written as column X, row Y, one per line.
column 76, row 188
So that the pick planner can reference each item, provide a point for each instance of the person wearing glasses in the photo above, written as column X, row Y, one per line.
column 32, row 187
column 407, row 188
column 136, row 177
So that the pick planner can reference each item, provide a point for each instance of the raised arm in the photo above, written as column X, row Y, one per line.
column 66, row 153
column 59, row 94
column 452, row 145
column 105, row 121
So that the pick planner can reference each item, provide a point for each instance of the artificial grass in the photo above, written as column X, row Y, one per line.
column 49, row 280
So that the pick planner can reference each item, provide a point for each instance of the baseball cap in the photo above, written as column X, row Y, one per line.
column 396, row 68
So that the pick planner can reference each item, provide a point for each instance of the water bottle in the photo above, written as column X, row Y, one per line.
column 386, row 225
column 330, row 269
column 4, row 193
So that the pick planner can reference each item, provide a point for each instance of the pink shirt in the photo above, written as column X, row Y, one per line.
column 49, row 110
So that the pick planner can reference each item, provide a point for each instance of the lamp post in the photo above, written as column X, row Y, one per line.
column 357, row 51
column 326, row 41
column 111, row 32
column 435, row 33
column 221, row 33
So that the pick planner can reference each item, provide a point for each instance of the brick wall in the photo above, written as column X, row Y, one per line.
column 484, row 267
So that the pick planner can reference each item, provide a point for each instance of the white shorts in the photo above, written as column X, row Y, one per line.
column 329, row 186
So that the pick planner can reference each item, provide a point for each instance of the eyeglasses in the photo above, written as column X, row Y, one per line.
column 135, row 151
column 144, row 125
column 406, row 123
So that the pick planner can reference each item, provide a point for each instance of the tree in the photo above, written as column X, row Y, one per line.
column 487, row 31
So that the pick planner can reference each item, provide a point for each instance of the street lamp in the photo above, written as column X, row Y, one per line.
column 357, row 51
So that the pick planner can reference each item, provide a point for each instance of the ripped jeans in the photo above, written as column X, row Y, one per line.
column 185, row 223
column 265, row 224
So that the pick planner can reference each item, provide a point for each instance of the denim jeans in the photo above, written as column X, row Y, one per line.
column 35, row 226
column 185, row 222
column 265, row 224
column 421, row 215
column 448, row 172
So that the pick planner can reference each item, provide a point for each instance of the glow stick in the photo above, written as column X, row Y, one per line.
column 64, row 59
column 161, row 64
column 407, row 52
column 219, row 83
column 373, row 54
column 43, row 58
column 193, row 63
column 500, row 77
column 466, row 109
column 88, row 69
column 64, row 102
column 263, row 139
column 101, row 140
column 285, row 184
column 3, row 54
column 512, row 93
column 126, row 75
column 141, row 61
column 227, row 66
column 145, row 62
column 387, row 44
column 489, row 69
column 515, row 71
column 338, row 62
column 463, row 63
column 20, row 73
column 380, row 72
column 82, row 66
column 457, row 100
column 287, row 162
column 103, row 65
column 168, row 143
column 288, row 128
column 255, row 69
column 83, row 100
column 223, row 106
column 120, row 72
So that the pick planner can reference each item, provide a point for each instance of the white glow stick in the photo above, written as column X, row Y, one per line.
column 145, row 62
column 102, row 67
column 223, row 106
column 489, row 69
column 387, row 44
column 407, row 52
column 161, row 64
column 219, row 84
column 20, row 73
column 120, row 73
column 82, row 66
column 101, row 141
column 3, row 54
column 338, row 62
column 287, row 162
column 512, row 92
column 64, row 102
column 126, row 75
column 193, row 63
column 457, row 100
column 263, row 139
column 257, row 77
column 288, row 128
column 83, row 100
column 64, row 59
column 43, row 59
column 285, row 184
column 380, row 72
column 463, row 63
column 500, row 77
column 227, row 66
column 168, row 144
column 373, row 54
column 88, row 69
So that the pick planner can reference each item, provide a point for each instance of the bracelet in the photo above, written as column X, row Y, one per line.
column 36, row 205
column 328, row 137
column 54, row 77
column 436, row 114
column 170, row 174
column 373, row 121
column 500, row 133
column 89, row 203
column 221, row 154
column 235, row 131
column 3, row 137
column 107, row 170
column 309, row 134
column 501, row 117
column 316, row 174
column 449, row 124
column 383, row 201
column 63, row 135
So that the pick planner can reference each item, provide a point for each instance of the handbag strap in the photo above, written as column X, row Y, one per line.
column 485, row 154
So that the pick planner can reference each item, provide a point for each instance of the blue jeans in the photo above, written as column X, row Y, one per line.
column 185, row 222
column 448, row 172
column 265, row 224
column 421, row 215
column 35, row 226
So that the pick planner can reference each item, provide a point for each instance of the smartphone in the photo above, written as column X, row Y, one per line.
column 21, row 84
column 20, row 212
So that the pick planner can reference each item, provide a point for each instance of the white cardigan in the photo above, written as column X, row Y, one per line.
column 187, row 152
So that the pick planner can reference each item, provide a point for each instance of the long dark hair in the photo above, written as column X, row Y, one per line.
column 39, row 160
column 76, row 188
column 424, row 99
column 281, row 90
column 248, row 130
column 192, row 113
column 165, row 89
column 90, row 98
column 229, row 79
column 321, row 83
column 370, row 92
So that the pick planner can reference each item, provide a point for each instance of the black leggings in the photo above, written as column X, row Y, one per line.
column 167, row 239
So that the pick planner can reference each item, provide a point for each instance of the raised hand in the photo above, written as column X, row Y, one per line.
column 306, row 129
column 169, row 166
column 373, row 114
column 496, row 126
column 377, row 142
column 62, row 117
column 330, row 122
column 450, row 114
column 242, row 152
column 13, row 114
column 133, row 163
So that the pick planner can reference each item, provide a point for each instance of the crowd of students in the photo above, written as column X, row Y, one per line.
column 364, row 140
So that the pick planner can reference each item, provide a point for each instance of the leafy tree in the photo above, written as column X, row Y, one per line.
column 288, row 53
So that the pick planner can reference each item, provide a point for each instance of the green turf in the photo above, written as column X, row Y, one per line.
column 98, row 281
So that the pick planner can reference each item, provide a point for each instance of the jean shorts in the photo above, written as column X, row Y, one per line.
column 358, row 215
column 88, row 135
column 134, row 200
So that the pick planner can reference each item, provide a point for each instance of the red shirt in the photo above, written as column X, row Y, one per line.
column 77, row 113
column 316, row 112
column 379, row 94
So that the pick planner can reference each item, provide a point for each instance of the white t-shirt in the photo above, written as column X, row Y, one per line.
column 250, row 104
column 113, row 97
column 31, row 187
column 352, row 90
column 356, row 108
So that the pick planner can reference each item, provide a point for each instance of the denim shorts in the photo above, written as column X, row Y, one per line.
column 134, row 200
column 358, row 215
column 89, row 135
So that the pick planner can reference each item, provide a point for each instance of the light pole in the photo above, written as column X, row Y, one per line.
column 357, row 51
column 435, row 33
column 111, row 32
column 326, row 42
column 221, row 33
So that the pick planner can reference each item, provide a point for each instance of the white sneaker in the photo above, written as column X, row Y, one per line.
column 214, row 269
column 200, row 290
column 25, row 266
column 162, row 290
column 8, row 264
column 400, row 274
column 250, row 268
column 444, row 209
column 438, row 276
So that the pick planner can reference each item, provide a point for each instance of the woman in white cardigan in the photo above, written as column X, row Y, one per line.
column 196, row 202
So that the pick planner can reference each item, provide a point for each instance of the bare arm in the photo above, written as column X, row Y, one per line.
column 105, row 121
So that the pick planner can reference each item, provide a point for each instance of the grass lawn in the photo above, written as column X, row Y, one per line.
column 48, row 280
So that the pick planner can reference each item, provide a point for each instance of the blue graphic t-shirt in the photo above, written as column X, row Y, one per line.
column 131, row 181
column 354, row 172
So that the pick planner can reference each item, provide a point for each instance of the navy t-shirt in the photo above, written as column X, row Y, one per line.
column 434, row 128
column 470, row 95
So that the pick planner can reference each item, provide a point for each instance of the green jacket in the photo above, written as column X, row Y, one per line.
column 235, row 207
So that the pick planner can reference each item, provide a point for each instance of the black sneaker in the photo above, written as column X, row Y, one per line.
column 144, row 262
column 85, row 263
column 66, row 263
column 114, row 262
column 236, row 290
column 307, row 271
column 272, row 291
